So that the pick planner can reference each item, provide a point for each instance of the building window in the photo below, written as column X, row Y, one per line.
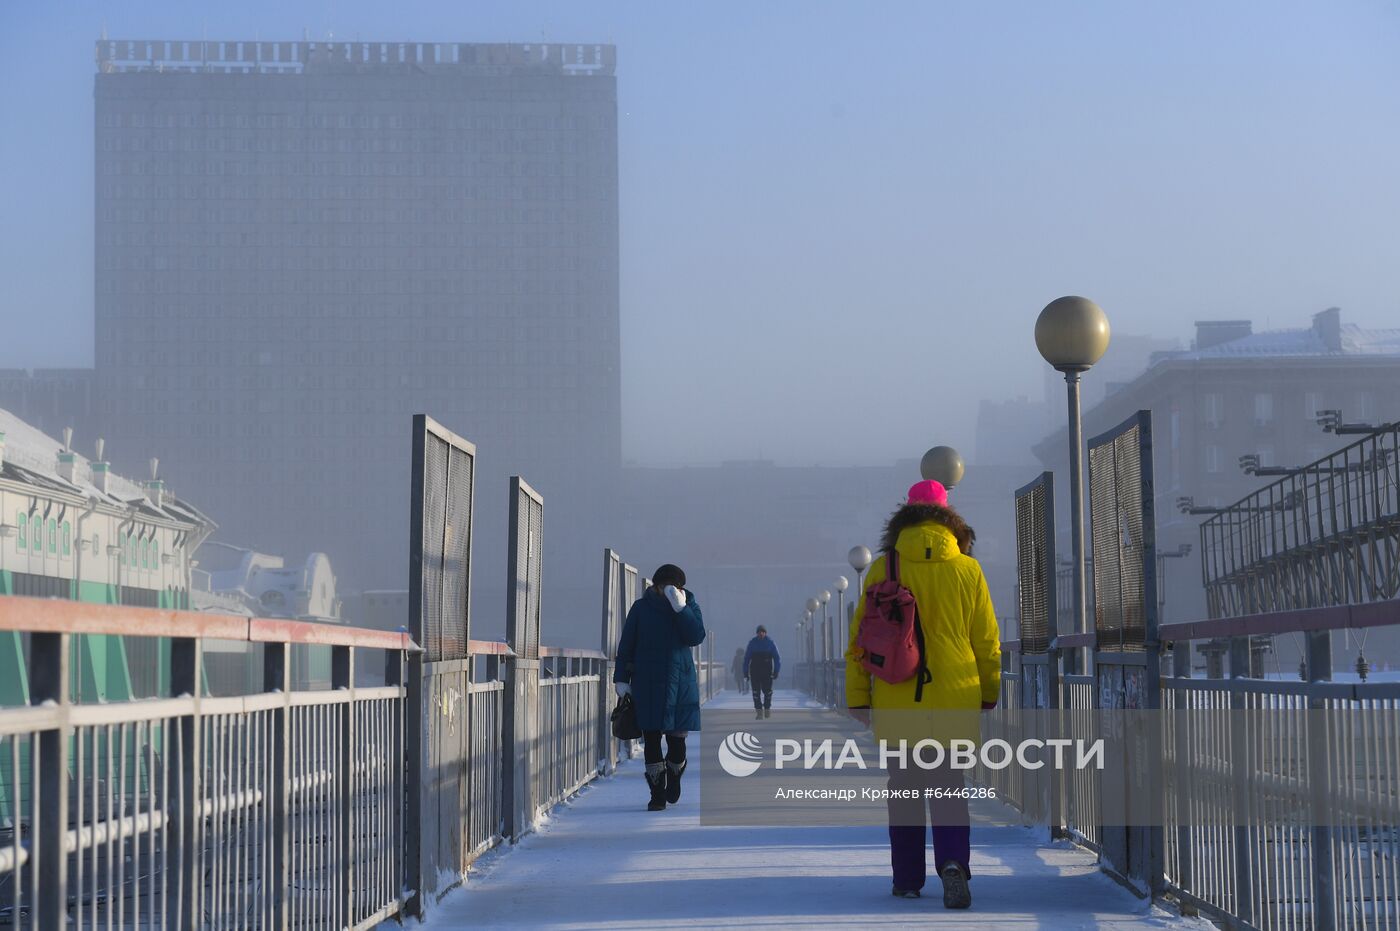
column 1214, row 409
column 22, row 521
column 53, row 536
column 155, row 554
column 1263, row 409
column 1312, row 403
column 1365, row 406
column 67, row 538
column 1213, row 459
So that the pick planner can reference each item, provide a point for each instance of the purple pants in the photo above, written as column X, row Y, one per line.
column 909, row 818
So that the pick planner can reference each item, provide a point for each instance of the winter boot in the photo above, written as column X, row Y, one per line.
column 956, row 894
column 758, row 714
column 768, row 712
column 673, row 780
column 656, row 778
column 899, row 893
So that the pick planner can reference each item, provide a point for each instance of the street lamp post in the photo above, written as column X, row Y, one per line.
column 810, row 676
column 859, row 557
column 839, row 646
column 942, row 464
column 824, row 596
column 1072, row 334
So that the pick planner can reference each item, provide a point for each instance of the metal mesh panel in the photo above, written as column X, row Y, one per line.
column 434, row 523
column 629, row 588
column 457, row 538
column 1120, row 534
column 1035, row 563
column 527, row 538
column 612, row 586
column 444, row 470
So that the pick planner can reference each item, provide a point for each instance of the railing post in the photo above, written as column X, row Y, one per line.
column 1324, row 898
column 522, row 735
column 1240, row 766
column 607, row 747
column 1182, row 770
column 343, row 678
column 277, row 672
column 49, row 683
column 186, row 835
column 406, row 834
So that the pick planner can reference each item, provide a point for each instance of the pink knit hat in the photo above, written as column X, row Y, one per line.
column 928, row 492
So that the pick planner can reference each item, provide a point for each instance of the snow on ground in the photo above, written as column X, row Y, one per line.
column 603, row 861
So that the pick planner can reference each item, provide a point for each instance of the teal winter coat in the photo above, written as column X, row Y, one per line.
column 654, row 657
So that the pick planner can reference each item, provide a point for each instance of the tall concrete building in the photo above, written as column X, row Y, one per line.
column 301, row 244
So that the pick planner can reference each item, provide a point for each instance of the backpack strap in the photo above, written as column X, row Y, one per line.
column 924, row 677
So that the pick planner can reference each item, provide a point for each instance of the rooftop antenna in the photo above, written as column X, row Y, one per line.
column 155, row 467
column 67, row 439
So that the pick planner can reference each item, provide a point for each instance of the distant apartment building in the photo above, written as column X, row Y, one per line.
column 299, row 245
column 1234, row 393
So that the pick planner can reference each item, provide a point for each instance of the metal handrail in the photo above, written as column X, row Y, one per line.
column 58, row 616
column 1336, row 617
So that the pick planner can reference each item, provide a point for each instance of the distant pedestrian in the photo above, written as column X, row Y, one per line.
column 655, row 665
column 737, row 667
column 761, row 665
column 960, row 649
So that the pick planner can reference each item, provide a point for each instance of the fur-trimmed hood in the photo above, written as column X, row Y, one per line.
column 911, row 515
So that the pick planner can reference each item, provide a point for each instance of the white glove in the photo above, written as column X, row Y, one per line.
column 675, row 596
column 622, row 688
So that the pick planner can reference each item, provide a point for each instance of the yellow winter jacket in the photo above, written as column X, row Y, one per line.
column 961, row 641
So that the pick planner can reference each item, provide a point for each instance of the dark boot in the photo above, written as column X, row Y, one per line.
column 673, row 781
column 656, row 778
column 956, row 893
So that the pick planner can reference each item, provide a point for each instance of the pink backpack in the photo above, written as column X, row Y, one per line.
column 890, row 637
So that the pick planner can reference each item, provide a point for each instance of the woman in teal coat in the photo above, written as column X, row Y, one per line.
column 655, row 666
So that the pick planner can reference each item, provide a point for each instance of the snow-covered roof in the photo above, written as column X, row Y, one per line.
column 1300, row 343
column 31, row 457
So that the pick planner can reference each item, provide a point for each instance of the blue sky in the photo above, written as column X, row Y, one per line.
column 840, row 220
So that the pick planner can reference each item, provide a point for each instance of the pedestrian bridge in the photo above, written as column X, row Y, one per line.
column 477, row 784
column 602, row 861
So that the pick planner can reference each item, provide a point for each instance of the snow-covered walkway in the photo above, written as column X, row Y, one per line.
column 603, row 861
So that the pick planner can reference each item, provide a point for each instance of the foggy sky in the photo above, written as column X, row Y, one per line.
column 835, row 216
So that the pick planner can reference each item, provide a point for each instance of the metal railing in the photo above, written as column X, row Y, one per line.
column 278, row 809
column 1326, row 534
column 1342, row 871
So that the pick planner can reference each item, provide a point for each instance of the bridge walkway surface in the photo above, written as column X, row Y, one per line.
column 602, row 860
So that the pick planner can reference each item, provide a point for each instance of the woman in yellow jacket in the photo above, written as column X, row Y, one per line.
column 962, row 651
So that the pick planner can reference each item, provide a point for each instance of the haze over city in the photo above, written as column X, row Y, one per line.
column 822, row 208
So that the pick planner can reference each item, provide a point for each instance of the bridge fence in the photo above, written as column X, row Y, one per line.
column 289, row 806
column 275, row 809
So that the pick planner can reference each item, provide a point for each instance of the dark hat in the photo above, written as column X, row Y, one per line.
column 761, row 629
column 668, row 575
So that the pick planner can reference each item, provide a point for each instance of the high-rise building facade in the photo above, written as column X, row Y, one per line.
column 301, row 244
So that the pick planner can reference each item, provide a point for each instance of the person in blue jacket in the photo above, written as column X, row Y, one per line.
column 655, row 666
column 761, row 665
